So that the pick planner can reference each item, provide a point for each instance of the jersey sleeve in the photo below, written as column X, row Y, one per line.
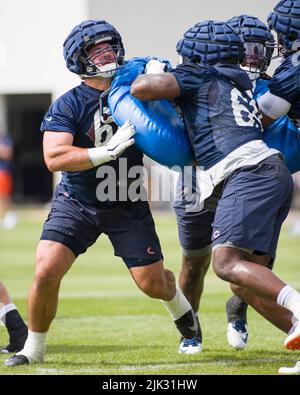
column 60, row 117
column 273, row 106
column 285, row 84
column 190, row 77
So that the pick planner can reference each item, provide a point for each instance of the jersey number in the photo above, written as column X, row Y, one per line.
column 244, row 109
column 103, row 130
column 103, row 135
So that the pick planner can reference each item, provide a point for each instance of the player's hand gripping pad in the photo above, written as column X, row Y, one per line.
column 160, row 132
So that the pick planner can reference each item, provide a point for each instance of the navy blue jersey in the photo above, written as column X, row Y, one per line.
column 5, row 164
column 282, row 134
column 286, row 84
column 218, row 108
column 79, row 112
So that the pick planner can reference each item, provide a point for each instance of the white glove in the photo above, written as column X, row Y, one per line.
column 121, row 140
column 154, row 66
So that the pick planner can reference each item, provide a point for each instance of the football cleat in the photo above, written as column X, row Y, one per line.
column 292, row 342
column 17, row 360
column 17, row 340
column 237, row 334
column 190, row 346
column 188, row 325
column 290, row 370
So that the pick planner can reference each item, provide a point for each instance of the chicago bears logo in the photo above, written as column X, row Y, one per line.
column 150, row 251
column 216, row 234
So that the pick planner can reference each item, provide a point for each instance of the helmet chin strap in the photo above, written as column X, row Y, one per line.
column 253, row 75
column 107, row 71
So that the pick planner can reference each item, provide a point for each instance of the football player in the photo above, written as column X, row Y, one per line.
column 282, row 134
column 194, row 226
column 10, row 317
column 283, row 95
column 223, row 124
column 80, row 136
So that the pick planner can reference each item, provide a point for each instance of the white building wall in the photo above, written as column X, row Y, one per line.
column 153, row 27
column 32, row 33
column 3, row 123
column 31, row 37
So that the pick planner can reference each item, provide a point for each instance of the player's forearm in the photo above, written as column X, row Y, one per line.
column 265, row 120
column 66, row 158
column 155, row 87
column 60, row 155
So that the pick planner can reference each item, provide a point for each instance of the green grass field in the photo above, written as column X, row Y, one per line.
column 105, row 325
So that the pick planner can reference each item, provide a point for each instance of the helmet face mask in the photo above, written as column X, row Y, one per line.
column 101, row 59
column 255, row 58
column 281, row 49
column 79, row 46
column 285, row 21
column 258, row 43
column 276, row 50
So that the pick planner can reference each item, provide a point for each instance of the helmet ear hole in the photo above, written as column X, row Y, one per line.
column 285, row 21
column 292, row 36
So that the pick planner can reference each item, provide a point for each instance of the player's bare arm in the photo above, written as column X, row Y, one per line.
column 155, row 87
column 266, row 120
column 60, row 155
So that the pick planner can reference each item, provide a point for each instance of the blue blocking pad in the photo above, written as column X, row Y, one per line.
column 160, row 132
column 282, row 134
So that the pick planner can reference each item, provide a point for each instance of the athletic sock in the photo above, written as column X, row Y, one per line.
column 236, row 309
column 294, row 324
column 199, row 326
column 4, row 310
column 11, row 318
column 35, row 347
column 289, row 298
column 178, row 306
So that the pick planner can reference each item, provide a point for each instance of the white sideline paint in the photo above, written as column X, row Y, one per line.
column 100, row 294
column 130, row 368
column 91, row 294
column 121, row 318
